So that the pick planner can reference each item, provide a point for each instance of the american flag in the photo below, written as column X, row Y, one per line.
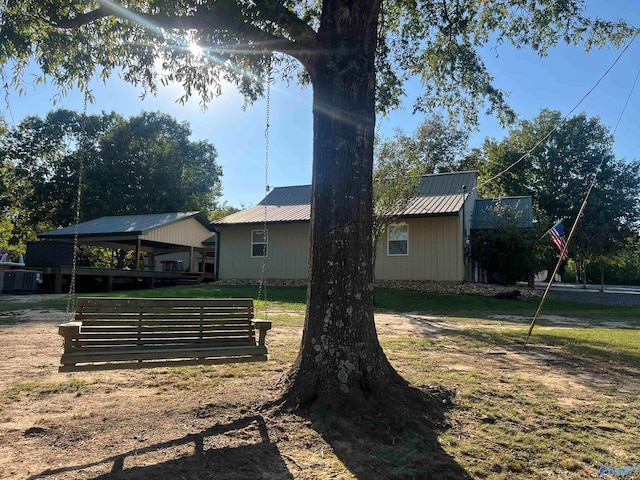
column 558, row 237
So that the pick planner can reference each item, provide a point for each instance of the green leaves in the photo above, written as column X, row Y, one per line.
column 146, row 43
column 435, row 146
column 145, row 164
column 558, row 172
column 504, row 244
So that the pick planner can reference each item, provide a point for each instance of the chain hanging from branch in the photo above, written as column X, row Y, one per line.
column 262, row 289
column 80, row 146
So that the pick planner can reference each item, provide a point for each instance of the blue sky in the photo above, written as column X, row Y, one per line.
column 557, row 82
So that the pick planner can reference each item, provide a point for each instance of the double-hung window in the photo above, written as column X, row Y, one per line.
column 258, row 243
column 398, row 239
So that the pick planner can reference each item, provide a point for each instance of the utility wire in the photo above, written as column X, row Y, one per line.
column 626, row 103
column 578, row 217
column 584, row 97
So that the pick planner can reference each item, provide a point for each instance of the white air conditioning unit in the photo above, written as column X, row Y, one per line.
column 20, row 281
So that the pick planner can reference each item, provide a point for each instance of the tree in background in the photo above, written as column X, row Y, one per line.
column 145, row 164
column 437, row 145
column 557, row 174
column 622, row 268
column 610, row 220
column 43, row 177
column 356, row 54
column 222, row 210
column 7, row 209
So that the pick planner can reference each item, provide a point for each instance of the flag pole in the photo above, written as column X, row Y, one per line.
column 546, row 291
column 546, row 233
column 582, row 207
column 562, row 254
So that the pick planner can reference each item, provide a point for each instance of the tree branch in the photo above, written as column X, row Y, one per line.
column 299, row 30
column 300, row 46
column 83, row 19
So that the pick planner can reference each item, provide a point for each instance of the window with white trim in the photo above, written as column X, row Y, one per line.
column 398, row 239
column 258, row 243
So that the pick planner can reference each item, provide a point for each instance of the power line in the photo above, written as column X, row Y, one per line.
column 563, row 254
column 626, row 103
column 550, row 132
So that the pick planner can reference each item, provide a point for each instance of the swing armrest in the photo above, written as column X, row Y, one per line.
column 262, row 326
column 70, row 331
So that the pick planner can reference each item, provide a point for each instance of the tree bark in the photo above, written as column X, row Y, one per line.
column 601, row 265
column 340, row 361
column 581, row 270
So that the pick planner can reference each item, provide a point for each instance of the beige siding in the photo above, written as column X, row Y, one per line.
column 435, row 252
column 189, row 233
column 287, row 257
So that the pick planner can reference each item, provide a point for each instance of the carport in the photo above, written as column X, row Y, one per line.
column 148, row 236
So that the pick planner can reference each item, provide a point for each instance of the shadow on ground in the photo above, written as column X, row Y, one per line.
column 362, row 445
column 400, row 441
column 258, row 460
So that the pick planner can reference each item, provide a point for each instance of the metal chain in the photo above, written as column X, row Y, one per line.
column 262, row 289
column 83, row 131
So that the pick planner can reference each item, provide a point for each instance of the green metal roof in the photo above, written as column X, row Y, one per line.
column 447, row 184
column 120, row 225
column 439, row 194
column 284, row 196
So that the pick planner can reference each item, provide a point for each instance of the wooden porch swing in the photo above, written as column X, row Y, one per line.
column 109, row 333
column 116, row 333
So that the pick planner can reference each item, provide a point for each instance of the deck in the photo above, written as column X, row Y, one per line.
column 58, row 279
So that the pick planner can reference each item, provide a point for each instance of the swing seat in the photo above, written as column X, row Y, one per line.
column 125, row 333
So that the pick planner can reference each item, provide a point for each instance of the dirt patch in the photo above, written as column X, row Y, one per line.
column 206, row 422
column 552, row 319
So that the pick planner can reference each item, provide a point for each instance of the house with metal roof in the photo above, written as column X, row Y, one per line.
column 425, row 243
column 158, row 233
column 183, row 235
column 242, row 242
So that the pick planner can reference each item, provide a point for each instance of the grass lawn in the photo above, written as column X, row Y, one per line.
column 294, row 298
column 563, row 406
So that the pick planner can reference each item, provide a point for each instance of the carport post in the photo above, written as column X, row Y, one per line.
column 109, row 285
column 138, row 247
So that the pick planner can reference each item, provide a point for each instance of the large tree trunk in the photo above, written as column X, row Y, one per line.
column 341, row 361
